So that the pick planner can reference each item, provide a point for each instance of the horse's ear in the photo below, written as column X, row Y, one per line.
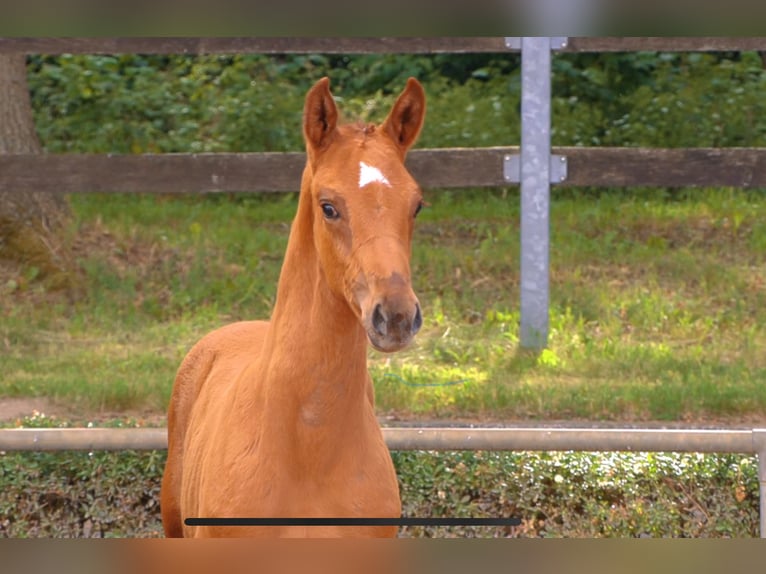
column 406, row 117
column 320, row 116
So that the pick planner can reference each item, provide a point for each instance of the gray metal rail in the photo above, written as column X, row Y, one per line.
column 746, row 441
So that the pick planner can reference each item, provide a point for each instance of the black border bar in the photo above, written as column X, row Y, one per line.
column 313, row 521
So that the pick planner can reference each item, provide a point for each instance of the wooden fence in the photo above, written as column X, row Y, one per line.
column 342, row 45
column 434, row 168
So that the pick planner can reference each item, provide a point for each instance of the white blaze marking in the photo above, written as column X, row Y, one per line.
column 369, row 174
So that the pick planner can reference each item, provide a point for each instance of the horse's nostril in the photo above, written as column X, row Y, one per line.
column 379, row 321
column 417, row 322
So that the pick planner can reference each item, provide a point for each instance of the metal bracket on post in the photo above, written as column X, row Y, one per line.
column 535, row 169
column 557, row 42
column 512, row 168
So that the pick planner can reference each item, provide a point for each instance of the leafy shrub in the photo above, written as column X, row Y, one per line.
column 661, row 100
column 136, row 103
column 580, row 494
column 80, row 495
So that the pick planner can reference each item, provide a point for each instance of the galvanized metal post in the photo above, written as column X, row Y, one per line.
column 535, row 190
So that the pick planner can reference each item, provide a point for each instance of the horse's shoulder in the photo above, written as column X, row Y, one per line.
column 228, row 341
column 217, row 357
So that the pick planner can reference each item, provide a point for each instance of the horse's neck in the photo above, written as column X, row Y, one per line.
column 314, row 362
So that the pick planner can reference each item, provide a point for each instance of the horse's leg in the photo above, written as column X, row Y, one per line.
column 191, row 375
column 169, row 503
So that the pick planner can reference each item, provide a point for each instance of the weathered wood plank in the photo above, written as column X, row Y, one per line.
column 224, row 172
column 674, row 167
column 356, row 45
column 665, row 44
column 433, row 168
column 153, row 173
column 459, row 167
column 261, row 45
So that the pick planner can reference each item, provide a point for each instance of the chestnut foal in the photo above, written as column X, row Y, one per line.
column 276, row 418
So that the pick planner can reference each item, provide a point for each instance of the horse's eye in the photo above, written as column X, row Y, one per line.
column 418, row 208
column 329, row 211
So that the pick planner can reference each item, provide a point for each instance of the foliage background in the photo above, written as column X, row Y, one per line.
column 139, row 103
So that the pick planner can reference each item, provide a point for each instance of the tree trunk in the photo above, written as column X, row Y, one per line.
column 31, row 224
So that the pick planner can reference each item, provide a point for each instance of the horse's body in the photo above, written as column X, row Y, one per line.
column 276, row 419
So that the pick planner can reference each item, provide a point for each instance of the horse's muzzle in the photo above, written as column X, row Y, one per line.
column 393, row 324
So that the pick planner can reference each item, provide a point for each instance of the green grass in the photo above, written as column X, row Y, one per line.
column 657, row 307
column 658, row 304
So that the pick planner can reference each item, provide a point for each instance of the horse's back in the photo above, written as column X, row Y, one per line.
column 223, row 353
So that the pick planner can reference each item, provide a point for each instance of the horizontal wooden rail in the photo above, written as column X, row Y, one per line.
column 433, row 168
column 665, row 44
column 356, row 45
column 258, row 45
column 671, row 167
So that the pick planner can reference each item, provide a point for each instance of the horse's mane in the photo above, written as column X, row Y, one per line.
column 361, row 127
column 367, row 129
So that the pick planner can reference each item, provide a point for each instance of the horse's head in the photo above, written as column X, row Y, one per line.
column 364, row 203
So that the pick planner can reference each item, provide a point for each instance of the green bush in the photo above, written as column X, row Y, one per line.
column 79, row 494
column 660, row 100
column 137, row 103
column 553, row 494
column 580, row 494
column 696, row 101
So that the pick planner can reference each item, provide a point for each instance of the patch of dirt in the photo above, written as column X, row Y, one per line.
column 19, row 407
column 14, row 409
column 120, row 254
column 743, row 422
column 19, row 284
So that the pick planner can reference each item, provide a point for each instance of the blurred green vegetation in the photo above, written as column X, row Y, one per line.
column 140, row 103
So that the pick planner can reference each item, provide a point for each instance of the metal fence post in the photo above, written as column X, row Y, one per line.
column 535, row 176
column 535, row 169
column 535, row 189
